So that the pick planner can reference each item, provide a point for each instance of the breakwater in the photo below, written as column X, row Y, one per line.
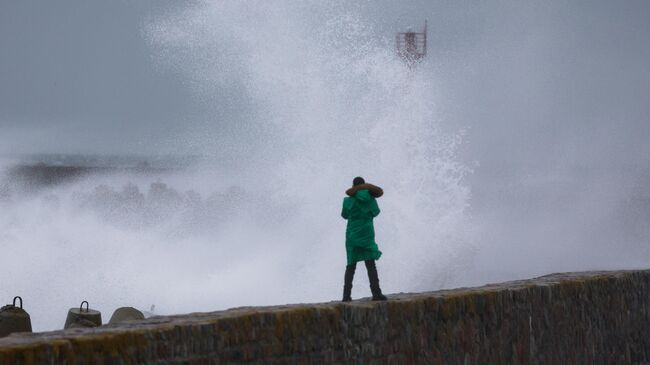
column 570, row 318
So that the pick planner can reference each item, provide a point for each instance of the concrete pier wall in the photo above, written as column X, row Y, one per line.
column 570, row 318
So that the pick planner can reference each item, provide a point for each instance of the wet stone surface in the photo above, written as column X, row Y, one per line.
column 570, row 318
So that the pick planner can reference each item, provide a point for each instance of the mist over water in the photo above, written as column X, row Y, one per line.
column 257, row 221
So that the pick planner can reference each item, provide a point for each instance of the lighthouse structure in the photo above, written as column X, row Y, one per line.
column 412, row 46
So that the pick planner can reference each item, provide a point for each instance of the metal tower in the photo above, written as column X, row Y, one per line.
column 412, row 46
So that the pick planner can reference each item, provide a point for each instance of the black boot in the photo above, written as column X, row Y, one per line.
column 374, row 281
column 347, row 286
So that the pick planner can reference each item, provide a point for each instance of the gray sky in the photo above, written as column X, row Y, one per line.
column 78, row 75
column 536, row 82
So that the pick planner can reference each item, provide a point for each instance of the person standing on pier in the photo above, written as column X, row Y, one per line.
column 359, row 209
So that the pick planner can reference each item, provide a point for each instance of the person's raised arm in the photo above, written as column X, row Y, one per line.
column 374, row 190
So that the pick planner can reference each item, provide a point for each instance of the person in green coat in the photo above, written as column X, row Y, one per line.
column 359, row 208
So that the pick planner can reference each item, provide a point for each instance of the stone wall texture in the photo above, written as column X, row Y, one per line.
column 572, row 318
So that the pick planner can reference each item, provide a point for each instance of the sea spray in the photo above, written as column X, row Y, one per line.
column 299, row 110
column 333, row 101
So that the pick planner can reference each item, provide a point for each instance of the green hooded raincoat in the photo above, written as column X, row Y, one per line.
column 360, row 243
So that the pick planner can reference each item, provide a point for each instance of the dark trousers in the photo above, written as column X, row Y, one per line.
column 373, row 277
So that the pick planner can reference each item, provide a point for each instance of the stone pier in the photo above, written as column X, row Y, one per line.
column 569, row 318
